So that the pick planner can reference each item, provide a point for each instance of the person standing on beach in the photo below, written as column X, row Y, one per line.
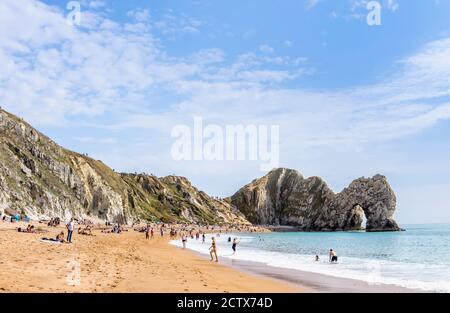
column 213, row 249
column 203, row 238
column 333, row 256
column 70, row 227
column 184, row 240
column 234, row 245
column 161, row 232
column 151, row 233
column 147, row 234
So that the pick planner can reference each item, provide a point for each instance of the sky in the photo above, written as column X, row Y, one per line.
column 350, row 99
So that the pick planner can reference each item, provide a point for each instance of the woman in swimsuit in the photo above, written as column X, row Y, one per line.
column 213, row 250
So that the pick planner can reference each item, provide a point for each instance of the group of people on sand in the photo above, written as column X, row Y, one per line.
column 213, row 248
column 149, row 233
column 87, row 230
column 116, row 229
column 30, row 229
column 54, row 222
column 60, row 238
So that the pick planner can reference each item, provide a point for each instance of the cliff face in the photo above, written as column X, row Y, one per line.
column 41, row 179
column 285, row 197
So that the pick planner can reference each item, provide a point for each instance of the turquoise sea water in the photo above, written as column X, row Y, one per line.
column 416, row 258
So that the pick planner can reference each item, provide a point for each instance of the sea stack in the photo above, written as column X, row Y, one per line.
column 285, row 197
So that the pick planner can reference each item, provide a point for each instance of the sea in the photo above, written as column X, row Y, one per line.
column 417, row 258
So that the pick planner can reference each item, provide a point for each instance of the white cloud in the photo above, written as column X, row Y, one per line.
column 392, row 5
column 361, row 5
column 288, row 43
column 95, row 4
column 65, row 71
column 108, row 141
column 311, row 3
column 208, row 56
column 266, row 49
column 141, row 15
column 171, row 24
column 68, row 72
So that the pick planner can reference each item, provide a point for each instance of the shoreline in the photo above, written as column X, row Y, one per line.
column 310, row 282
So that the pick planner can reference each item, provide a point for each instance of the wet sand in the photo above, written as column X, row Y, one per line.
column 314, row 282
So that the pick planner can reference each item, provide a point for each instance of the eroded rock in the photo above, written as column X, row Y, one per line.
column 285, row 197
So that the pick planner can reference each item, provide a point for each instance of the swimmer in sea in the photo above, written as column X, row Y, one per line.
column 333, row 256
column 235, row 243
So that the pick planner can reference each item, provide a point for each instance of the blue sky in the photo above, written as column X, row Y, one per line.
column 350, row 99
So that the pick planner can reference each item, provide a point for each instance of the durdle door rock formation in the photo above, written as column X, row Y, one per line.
column 285, row 197
column 40, row 179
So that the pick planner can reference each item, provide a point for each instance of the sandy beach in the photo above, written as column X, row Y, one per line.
column 125, row 262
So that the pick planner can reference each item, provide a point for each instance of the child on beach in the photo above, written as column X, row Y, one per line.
column 213, row 250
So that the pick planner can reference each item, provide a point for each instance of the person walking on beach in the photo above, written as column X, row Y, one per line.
column 184, row 241
column 151, row 233
column 147, row 234
column 161, row 232
column 70, row 226
column 203, row 238
column 213, row 249
column 333, row 256
column 234, row 245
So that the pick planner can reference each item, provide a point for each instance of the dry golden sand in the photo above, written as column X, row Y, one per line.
column 115, row 263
